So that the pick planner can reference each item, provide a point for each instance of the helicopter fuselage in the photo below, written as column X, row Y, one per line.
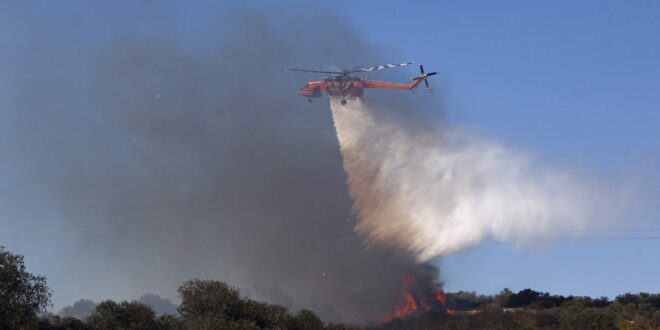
column 339, row 87
column 342, row 86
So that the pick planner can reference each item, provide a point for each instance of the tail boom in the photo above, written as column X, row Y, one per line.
column 414, row 82
column 388, row 85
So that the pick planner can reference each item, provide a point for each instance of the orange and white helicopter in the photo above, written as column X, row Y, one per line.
column 341, row 86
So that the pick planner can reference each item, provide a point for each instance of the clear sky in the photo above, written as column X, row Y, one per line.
column 574, row 83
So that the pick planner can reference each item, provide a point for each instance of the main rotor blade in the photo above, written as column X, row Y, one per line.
column 431, row 74
column 421, row 68
column 312, row 71
column 380, row 67
column 427, row 84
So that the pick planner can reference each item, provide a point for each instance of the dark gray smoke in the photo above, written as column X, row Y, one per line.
column 165, row 150
column 159, row 305
column 81, row 309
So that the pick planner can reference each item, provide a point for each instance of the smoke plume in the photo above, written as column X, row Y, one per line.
column 147, row 143
column 83, row 308
column 149, row 148
column 434, row 192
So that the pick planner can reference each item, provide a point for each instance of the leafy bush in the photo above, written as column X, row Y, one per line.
column 22, row 294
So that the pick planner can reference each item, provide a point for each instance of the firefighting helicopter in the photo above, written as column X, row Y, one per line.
column 341, row 86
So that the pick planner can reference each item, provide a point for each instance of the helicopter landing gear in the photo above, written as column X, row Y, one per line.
column 343, row 102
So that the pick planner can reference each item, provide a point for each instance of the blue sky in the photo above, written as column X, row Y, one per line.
column 572, row 83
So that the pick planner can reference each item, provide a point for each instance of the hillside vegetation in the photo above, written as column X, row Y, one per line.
column 211, row 304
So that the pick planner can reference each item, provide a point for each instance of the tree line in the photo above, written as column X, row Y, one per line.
column 211, row 304
column 529, row 309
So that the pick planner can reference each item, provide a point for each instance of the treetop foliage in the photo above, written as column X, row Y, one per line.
column 211, row 304
column 22, row 295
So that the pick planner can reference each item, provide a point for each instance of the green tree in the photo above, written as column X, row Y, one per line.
column 265, row 315
column 208, row 304
column 502, row 297
column 168, row 322
column 305, row 320
column 587, row 318
column 547, row 319
column 462, row 301
column 22, row 294
column 492, row 316
column 207, row 298
column 522, row 298
column 123, row 315
column 55, row 322
column 656, row 319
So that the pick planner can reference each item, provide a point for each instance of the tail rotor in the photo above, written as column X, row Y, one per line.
column 425, row 75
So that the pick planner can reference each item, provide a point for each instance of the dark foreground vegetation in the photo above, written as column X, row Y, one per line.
column 529, row 309
column 206, row 304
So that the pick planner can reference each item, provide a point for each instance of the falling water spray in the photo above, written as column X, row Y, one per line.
column 436, row 191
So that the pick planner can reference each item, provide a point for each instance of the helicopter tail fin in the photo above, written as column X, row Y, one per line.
column 423, row 76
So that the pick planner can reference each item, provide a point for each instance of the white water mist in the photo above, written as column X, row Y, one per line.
column 435, row 192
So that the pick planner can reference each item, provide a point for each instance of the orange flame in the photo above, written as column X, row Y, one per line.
column 440, row 296
column 409, row 305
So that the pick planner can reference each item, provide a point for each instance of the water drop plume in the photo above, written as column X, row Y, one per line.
column 435, row 191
